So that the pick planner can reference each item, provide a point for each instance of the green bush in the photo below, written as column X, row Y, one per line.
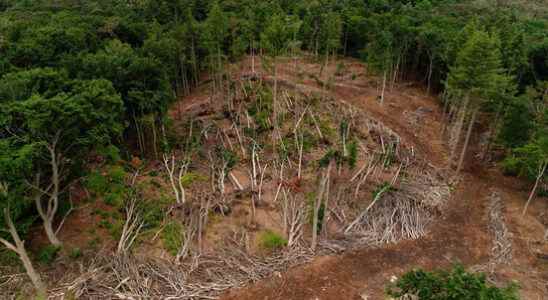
column 75, row 253
column 172, row 237
column 352, row 154
column 456, row 284
column 271, row 241
column 192, row 177
column 47, row 254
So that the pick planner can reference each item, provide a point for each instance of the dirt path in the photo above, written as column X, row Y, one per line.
column 460, row 235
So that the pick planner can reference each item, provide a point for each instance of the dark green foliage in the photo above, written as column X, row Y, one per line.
column 47, row 254
column 456, row 284
column 172, row 237
column 109, row 184
column 352, row 154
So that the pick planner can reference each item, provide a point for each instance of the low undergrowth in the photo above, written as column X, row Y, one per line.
column 455, row 284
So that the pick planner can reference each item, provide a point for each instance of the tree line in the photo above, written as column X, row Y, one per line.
column 78, row 76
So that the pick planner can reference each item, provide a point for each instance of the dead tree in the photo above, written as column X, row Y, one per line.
column 317, row 205
column 132, row 226
column 18, row 246
column 377, row 197
column 256, row 178
column 467, row 139
column 293, row 216
column 176, row 170
column 541, row 170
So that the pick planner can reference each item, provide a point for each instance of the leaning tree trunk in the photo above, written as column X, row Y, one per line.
column 383, row 86
column 430, row 66
column 542, row 169
column 48, row 215
column 19, row 249
column 459, row 125
column 467, row 139
column 275, row 103
column 318, row 205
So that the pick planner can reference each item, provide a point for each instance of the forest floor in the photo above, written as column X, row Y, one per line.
column 461, row 235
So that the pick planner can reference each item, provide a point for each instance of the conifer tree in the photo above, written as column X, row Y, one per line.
column 477, row 73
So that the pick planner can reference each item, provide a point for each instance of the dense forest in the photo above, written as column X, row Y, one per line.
column 86, row 79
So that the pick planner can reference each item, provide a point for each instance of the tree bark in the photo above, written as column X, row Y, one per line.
column 467, row 140
column 317, row 206
column 459, row 125
column 275, row 103
column 19, row 248
column 430, row 73
column 542, row 169
column 383, row 87
column 48, row 215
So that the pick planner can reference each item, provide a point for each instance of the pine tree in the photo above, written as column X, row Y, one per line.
column 477, row 73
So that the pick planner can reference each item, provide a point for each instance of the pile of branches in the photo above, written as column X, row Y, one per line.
column 501, row 251
column 198, row 277
column 402, row 212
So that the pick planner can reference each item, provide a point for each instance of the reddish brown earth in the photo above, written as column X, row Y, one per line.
column 461, row 234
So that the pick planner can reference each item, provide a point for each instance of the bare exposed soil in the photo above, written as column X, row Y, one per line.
column 460, row 235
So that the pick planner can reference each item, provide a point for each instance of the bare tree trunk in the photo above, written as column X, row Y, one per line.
column 467, row 140
column 494, row 131
column 317, row 206
column 430, row 66
column 542, row 169
column 459, row 125
column 252, row 57
column 48, row 215
column 19, row 249
column 383, row 86
column 275, row 103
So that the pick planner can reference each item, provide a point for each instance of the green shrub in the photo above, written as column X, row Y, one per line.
column 456, row 284
column 340, row 69
column 97, row 183
column 111, row 153
column 111, row 186
column 172, row 237
column 192, row 177
column 47, row 254
column 75, row 253
column 352, row 154
column 270, row 240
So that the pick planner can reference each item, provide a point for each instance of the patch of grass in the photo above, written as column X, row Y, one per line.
column 270, row 240
column 172, row 237
column 75, row 253
column 192, row 177
column 93, row 243
column 47, row 254
column 455, row 284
